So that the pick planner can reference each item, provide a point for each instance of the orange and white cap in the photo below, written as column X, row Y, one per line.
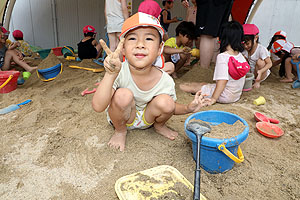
column 282, row 33
column 140, row 19
column 279, row 45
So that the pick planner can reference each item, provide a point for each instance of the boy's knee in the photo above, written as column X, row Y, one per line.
column 260, row 63
column 165, row 103
column 122, row 97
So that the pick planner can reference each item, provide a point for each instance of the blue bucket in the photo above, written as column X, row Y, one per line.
column 218, row 155
column 50, row 74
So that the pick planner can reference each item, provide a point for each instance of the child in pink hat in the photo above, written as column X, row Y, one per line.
column 136, row 94
column 21, row 44
column 150, row 7
column 230, row 70
column 257, row 55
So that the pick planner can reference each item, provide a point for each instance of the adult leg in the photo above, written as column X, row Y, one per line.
column 12, row 55
column 121, row 111
column 113, row 40
column 207, row 44
column 159, row 111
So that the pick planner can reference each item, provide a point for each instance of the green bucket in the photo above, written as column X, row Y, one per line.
column 67, row 51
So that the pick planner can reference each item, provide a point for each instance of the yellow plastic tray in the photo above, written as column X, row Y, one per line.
column 155, row 183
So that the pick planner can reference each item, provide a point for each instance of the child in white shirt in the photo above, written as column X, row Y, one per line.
column 257, row 55
column 230, row 71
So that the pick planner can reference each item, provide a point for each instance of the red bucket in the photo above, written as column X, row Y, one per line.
column 8, row 81
column 57, row 51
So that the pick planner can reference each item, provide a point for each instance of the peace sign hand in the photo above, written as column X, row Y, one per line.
column 112, row 62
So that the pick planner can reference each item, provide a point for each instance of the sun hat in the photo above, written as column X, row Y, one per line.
column 141, row 19
column 150, row 7
column 281, row 44
column 89, row 29
column 236, row 69
column 282, row 33
column 4, row 31
column 250, row 29
column 18, row 34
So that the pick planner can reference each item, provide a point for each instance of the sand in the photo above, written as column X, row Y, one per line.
column 56, row 146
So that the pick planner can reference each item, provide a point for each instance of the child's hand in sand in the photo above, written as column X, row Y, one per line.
column 112, row 62
column 198, row 102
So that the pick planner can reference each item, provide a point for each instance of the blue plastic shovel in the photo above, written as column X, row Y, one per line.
column 13, row 107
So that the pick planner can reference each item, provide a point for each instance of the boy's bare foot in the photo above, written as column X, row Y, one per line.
column 117, row 141
column 165, row 131
column 32, row 69
column 190, row 87
column 256, row 85
column 286, row 80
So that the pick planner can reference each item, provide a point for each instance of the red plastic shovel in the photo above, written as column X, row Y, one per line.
column 269, row 130
column 259, row 117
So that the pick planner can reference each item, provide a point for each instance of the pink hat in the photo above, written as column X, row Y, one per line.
column 250, row 29
column 281, row 44
column 150, row 7
column 6, row 32
column 282, row 33
column 236, row 69
column 89, row 29
column 18, row 34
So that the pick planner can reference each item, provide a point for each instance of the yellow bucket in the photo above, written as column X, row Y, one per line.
column 159, row 182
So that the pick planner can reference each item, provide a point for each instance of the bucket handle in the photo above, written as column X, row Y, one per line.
column 7, row 81
column 230, row 155
column 50, row 79
column 69, row 50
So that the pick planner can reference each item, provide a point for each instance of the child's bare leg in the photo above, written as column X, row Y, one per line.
column 99, row 50
column 288, row 72
column 169, row 67
column 12, row 55
column 179, row 64
column 259, row 65
column 159, row 111
column 121, row 111
column 192, row 87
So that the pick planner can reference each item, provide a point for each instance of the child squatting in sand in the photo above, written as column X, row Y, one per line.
column 135, row 93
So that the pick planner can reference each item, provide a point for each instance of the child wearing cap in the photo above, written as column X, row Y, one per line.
column 283, row 50
column 21, row 44
column 116, row 13
column 230, row 70
column 150, row 7
column 135, row 93
column 165, row 17
column 257, row 55
column 177, row 49
column 7, row 55
column 88, row 47
column 278, row 35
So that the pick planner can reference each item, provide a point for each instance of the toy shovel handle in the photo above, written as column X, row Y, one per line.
column 25, row 102
column 274, row 121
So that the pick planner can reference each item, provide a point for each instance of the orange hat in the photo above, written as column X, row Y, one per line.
column 89, row 29
column 18, row 34
column 282, row 33
column 250, row 29
column 140, row 19
column 281, row 44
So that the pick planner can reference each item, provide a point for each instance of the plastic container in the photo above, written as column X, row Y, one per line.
column 67, row 51
column 248, row 82
column 8, row 81
column 57, row 51
column 218, row 155
column 44, row 53
column 161, row 181
column 50, row 74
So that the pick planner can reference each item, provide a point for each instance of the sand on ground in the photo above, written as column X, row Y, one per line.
column 56, row 146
